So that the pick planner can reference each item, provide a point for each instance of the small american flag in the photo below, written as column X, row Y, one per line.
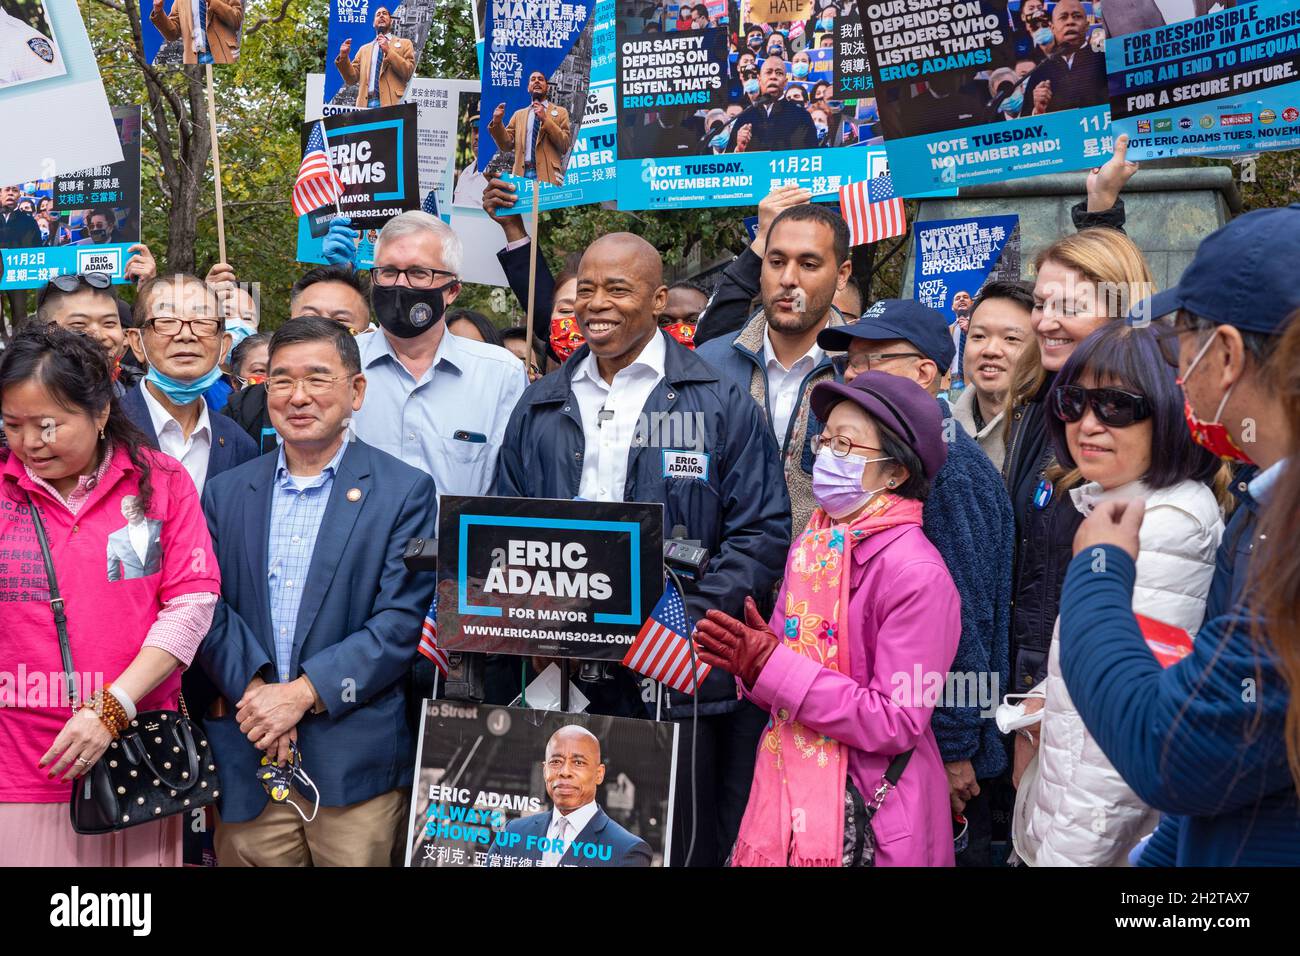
column 429, row 639
column 872, row 210
column 317, row 184
column 430, row 204
column 662, row 650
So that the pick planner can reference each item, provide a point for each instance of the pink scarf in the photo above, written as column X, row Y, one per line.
column 799, row 771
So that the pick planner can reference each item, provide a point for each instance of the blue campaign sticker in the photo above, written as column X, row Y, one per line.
column 1043, row 493
column 686, row 464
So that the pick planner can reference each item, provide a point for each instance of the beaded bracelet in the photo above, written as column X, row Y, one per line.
column 110, row 712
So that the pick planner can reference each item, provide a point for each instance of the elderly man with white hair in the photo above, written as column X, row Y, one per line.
column 436, row 401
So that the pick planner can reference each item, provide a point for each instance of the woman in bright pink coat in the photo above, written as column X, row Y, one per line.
column 862, row 657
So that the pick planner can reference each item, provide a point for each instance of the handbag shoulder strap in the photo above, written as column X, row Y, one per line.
column 56, row 602
column 889, row 780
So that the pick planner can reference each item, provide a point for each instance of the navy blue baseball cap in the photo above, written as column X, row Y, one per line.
column 924, row 327
column 1243, row 275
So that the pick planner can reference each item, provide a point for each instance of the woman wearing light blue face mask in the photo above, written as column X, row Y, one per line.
column 867, row 617
column 801, row 65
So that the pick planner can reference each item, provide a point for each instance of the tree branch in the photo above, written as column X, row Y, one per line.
column 112, row 5
column 263, row 21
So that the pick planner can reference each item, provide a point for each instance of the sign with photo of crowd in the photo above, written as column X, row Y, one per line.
column 83, row 221
column 720, row 106
column 546, row 577
column 491, row 783
column 375, row 155
column 971, row 93
column 1226, row 82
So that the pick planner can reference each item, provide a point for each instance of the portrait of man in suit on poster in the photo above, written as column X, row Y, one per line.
column 135, row 551
column 576, row 831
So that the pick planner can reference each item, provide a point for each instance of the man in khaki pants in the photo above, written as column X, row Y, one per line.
column 217, row 42
column 381, row 67
column 318, row 623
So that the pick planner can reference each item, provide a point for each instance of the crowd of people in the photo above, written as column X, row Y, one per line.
column 939, row 623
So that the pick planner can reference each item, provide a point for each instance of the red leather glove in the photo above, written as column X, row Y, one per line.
column 738, row 648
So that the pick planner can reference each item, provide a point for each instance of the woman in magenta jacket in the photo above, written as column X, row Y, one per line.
column 868, row 622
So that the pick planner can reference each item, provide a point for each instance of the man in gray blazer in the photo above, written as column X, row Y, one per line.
column 136, row 550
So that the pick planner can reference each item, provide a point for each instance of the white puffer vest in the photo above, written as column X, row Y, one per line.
column 1073, row 808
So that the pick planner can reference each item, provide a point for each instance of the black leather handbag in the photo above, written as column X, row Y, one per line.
column 161, row 765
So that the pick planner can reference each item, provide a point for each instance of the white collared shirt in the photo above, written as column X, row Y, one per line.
column 139, row 535
column 198, row 28
column 566, row 828
column 610, row 413
column 469, row 391
column 192, row 452
column 783, row 383
column 23, row 53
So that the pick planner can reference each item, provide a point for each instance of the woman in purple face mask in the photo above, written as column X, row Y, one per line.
column 865, row 628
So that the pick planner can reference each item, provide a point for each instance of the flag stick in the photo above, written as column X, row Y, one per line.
column 325, row 138
column 216, row 166
column 532, row 282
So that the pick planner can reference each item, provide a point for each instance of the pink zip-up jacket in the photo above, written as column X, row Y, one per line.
column 902, row 630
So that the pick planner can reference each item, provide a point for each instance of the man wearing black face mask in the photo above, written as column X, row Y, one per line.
column 436, row 401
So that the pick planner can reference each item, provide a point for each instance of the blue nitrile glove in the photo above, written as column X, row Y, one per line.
column 340, row 244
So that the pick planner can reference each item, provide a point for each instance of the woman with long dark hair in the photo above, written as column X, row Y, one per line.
column 134, row 565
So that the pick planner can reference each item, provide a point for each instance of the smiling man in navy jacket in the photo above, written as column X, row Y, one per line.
column 596, row 430
column 319, row 619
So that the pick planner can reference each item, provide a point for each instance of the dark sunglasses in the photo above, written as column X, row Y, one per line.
column 1112, row 406
column 72, row 282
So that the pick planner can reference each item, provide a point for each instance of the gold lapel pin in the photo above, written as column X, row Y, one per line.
column 354, row 494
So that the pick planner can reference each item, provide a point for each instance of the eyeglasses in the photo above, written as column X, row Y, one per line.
column 1112, row 406
column 417, row 277
column 865, row 361
column 839, row 445
column 170, row 326
column 282, row 385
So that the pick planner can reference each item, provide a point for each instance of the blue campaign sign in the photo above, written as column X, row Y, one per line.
column 963, row 100
column 561, row 578
column 953, row 259
column 1226, row 82
column 372, row 51
column 709, row 116
column 78, row 222
column 547, row 117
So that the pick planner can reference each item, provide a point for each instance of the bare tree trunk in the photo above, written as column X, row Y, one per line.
column 175, row 119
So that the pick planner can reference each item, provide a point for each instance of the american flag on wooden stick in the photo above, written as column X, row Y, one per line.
column 662, row 650
column 872, row 210
column 317, row 184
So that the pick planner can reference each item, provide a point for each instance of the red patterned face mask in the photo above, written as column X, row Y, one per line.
column 1212, row 436
column 683, row 332
column 565, row 337
column 117, row 369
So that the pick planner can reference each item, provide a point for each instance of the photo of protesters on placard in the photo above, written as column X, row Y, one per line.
column 1052, row 59
column 96, row 206
column 192, row 31
column 29, row 50
column 786, row 85
column 470, row 182
column 511, row 787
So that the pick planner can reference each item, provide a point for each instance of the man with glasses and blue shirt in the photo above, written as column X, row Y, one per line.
column 438, row 402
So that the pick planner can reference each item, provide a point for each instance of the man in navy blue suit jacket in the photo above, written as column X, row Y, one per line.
column 319, row 620
column 180, row 338
column 576, row 832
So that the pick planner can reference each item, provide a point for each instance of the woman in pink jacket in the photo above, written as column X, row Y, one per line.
column 868, row 619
